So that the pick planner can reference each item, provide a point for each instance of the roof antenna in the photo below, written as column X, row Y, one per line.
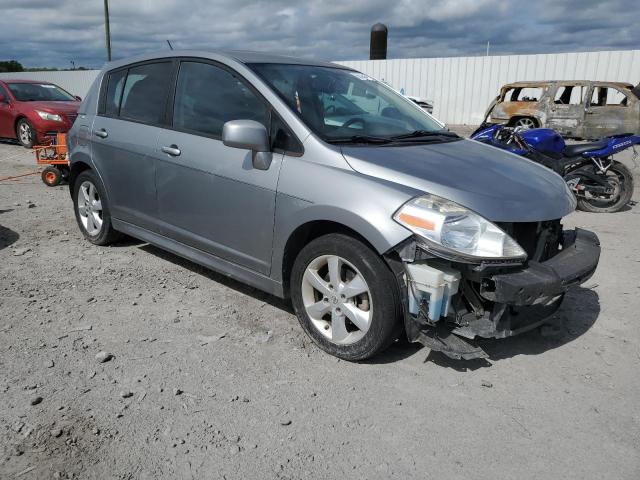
column 170, row 46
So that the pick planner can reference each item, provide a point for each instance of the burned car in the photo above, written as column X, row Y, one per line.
column 577, row 109
column 314, row 182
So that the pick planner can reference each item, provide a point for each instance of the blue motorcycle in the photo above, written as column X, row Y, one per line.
column 600, row 183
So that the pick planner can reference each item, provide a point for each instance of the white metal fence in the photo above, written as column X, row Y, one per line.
column 460, row 87
column 76, row 82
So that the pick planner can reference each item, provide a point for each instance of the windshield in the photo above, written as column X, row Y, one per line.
column 37, row 92
column 341, row 104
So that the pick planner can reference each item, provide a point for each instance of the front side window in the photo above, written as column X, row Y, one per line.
column 145, row 92
column 336, row 103
column 39, row 92
column 208, row 96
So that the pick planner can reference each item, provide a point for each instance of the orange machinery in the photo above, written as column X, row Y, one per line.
column 54, row 155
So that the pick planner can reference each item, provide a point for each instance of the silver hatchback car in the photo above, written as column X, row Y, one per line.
column 315, row 182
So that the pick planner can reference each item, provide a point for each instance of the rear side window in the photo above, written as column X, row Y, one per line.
column 570, row 95
column 207, row 96
column 145, row 92
column 608, row 97
column 523, row 94
column 115, row 82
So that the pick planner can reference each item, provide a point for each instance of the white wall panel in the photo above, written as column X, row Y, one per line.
column 462, row 87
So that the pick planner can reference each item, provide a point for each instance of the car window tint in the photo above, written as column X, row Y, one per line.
column 145, row 92
column 115, row 82
column 208, row 96
column 4, row 92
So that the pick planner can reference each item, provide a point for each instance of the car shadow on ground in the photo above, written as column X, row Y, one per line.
column 7, row 236
column 214, row 276
column 576, row 316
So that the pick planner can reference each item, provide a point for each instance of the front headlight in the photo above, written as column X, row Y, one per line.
column 455, row 232
column 49, row 116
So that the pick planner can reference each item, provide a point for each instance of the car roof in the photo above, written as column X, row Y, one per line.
column 240, row 56
column 539, row 83
column 21, row 80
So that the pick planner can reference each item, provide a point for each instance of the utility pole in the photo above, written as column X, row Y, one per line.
column 487, row 47
column 107, row 30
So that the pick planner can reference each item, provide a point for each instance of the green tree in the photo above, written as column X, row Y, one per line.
column 11, row 66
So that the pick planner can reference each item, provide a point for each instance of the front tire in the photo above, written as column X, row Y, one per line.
column 346, row 297
column 622, row 180
column 25, row 133
column 92, row 209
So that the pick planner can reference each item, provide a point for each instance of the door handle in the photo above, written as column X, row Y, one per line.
column 102, row 133
column 172, row 150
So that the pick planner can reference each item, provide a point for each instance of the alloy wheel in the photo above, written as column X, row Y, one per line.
column 90, row 208
column 24, row 131
column 525, row 123
column 337, row 299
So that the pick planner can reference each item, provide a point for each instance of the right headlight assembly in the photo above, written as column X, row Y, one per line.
column 456, row 233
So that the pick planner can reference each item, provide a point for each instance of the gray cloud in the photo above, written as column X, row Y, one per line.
column 52, row 33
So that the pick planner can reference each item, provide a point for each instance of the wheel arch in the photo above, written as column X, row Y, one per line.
column 76, row 169
column 312, row 229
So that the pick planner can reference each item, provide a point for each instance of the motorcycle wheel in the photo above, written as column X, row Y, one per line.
column 621, row 179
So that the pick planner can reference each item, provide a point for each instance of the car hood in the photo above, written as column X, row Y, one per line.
column 498, row 185
column 55, row 107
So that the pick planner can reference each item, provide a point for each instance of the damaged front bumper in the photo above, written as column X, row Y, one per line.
column 501, row 301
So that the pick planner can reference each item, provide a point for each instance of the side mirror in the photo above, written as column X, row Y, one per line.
column 78, row 98
column 249, row 135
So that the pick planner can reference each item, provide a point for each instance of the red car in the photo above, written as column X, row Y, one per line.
column 31, row 111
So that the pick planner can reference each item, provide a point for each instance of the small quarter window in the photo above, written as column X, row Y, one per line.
column 115, row 82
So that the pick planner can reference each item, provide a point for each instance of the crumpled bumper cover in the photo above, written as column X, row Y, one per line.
column 539, row 283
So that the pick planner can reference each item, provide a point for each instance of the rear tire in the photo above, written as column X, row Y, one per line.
column 625, row 182
column 525, row 123
column 92, row 209
column 25, row 133
column 376, row 310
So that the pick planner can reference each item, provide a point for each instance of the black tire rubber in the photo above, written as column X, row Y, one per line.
column 33, row 133
column 51, row 176
column 107, row 234
column 625, row 196
column 385, row 297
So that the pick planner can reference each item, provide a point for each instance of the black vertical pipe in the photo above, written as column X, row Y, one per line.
column 378, row 46
column 107, row 30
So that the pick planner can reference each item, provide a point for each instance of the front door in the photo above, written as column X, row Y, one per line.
column 209, row 195
column 124, row 137
column 611, row 111
column 566, row 110
column 6, row 116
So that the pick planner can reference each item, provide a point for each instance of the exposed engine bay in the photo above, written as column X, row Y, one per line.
column 448, row 304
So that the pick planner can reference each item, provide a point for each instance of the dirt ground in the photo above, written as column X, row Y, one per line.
column 212, row 379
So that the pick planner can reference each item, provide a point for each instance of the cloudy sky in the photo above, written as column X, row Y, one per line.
column 56, row 32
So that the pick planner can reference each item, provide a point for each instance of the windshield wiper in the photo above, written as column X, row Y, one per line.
column 425, row 133
column 360, row 139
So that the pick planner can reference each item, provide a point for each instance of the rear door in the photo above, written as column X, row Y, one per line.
column 209, row 195
column 610, row 111
column 124, row 136
column 567, row 108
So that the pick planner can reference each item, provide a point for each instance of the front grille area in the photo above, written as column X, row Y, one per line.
column 541, row 240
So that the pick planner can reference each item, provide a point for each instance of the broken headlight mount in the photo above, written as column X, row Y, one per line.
column 463, row 276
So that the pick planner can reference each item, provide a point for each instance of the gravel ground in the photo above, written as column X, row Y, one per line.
column 212, row 379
